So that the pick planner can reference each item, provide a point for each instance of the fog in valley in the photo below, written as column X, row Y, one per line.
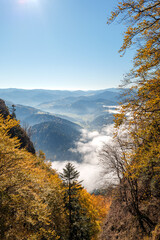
column 90, row 146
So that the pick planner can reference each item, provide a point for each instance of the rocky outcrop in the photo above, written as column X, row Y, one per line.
column 17, row 131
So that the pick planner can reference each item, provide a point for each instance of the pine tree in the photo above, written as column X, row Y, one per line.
column 84, row 213
column 70, row 176
column 13, row 114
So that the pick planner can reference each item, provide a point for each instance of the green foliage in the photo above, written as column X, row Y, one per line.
column 70, row 174
column 71, row 199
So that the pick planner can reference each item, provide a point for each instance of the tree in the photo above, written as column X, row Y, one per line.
column 83, row 210
column 23, row 212
column 143, row 105
column 70, row 176
column 117, row 160
column 31, row 193
column 143, row 20
column 13, row 114
column 139, row 114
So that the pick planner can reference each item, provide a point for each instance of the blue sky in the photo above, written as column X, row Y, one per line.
column 60, row 44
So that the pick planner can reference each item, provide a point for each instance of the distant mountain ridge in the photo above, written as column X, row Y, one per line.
column 87, row 108
column 37, row 96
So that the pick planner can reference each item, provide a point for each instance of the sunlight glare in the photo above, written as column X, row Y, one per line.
column 27, row 1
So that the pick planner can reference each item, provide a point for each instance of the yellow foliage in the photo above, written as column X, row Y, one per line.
column 32, row 195
column 97, row 208
column 24, row 210
column 139, row 116
column 143, row 17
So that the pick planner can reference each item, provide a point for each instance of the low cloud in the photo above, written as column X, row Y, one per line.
column 89, row 146
column 111, row 109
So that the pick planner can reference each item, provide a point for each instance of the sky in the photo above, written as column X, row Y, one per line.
column 60, row 44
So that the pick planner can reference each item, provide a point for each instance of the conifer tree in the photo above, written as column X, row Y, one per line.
column 84, row 213
column 13, row 114
column 70, row 176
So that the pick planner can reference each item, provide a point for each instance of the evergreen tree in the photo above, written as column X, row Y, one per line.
column 79, row 222
column 13, row 114
column 70, row 176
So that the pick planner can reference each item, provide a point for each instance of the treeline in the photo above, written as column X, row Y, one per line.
column 34, row 201
column 135, row 153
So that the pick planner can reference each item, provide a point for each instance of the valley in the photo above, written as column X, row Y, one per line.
column 55, row 119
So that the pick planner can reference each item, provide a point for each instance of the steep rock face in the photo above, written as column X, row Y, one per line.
column 23, row 137
column 17, row 131
column 3, row 109
column 119, row 224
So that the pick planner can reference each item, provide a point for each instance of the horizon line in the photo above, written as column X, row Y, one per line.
column 61, row 89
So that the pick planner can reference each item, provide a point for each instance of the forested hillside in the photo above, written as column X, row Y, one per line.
column 56, row 138
column 34, row 201
column 49, row 133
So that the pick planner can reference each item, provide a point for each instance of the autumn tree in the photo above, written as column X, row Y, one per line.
column 142, row 18
column 31, row 193
column 139, row 114
column 93, row 211
column 143, row 105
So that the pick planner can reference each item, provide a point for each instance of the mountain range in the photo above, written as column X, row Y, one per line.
column 55, row 118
